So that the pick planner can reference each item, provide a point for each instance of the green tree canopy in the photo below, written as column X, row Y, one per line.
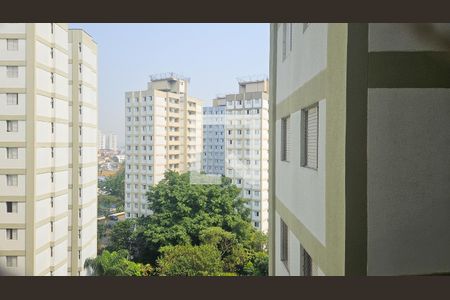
column 114, row 185
column 188, row 260
column 116, row 264
column 188, row 215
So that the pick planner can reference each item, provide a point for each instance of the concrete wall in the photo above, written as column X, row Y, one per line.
column 407, row 150
column 408, row 181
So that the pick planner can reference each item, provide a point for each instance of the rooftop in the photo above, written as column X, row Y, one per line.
column 168, row 76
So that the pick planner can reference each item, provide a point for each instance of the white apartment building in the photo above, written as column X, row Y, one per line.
column 163, row 132
column 247, row 146
column 39, row 151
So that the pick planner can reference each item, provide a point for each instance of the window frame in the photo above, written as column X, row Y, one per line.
column 12, row 44
column 12, row 71
column 12, row 207
column 14, row 181
column 12, row 234
column 11, row 154
column 285, row 138
column 12, row 126
column 12, row 99
column 304, row 137
column 284, row 244
column 11, row 261
column 305, row 262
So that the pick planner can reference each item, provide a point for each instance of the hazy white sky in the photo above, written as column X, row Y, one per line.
column 211, row 55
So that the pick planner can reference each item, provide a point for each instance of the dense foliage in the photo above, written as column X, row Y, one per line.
column 116, row 264
column 195, row 229
column 114, row 185
column 108, row 202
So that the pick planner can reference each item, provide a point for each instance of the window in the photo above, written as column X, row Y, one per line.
column 51, row 202
column 52, row 27
column 51, row 52
column 12, row 99
column 79, row 213
column 52, row 176
column 79, row 47
column 12, row 126
column 11, row 234
column 12, row 152
column 79, row 233
column 52, row 102
column 52, row 150
column 284, row 40
column 11, row 180
column 309, row 139
column 51, row 226
column 12, row 71
column 290, row 36
column 53, row 127
column 81, row 68
column 285, row 138
column 52, row 77
column 11, row 207
column 284, row 243
column 287, row 39
column 305, row 263
column 11, row 261
column 51, row 251
column 12, row 44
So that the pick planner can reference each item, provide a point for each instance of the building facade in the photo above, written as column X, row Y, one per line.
column 36, row 150
column 359, row 177
column 83, row 103
column 214, row 137
column 247, row 146
column 163, row 132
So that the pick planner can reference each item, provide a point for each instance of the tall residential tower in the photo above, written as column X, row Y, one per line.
column 163, row 132
column 39, row 153
column 247, row 146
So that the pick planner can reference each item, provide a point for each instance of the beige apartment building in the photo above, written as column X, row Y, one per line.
column 83, row 102
column 359, row 177
column 247, row 146
column 40, row 161
column 163, row 128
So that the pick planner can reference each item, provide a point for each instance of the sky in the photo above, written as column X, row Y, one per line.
column 213, row 56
